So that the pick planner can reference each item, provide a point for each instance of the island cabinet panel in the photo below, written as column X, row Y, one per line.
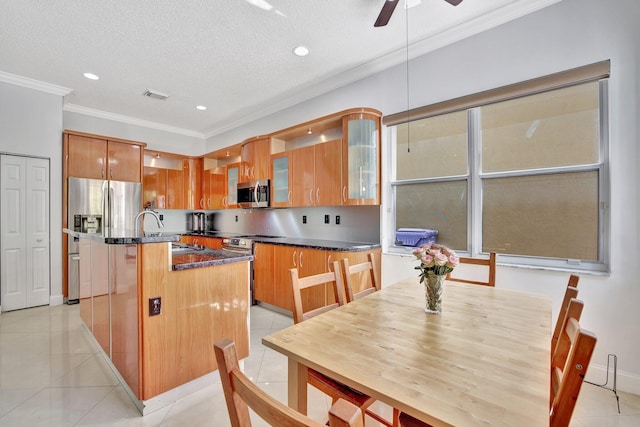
column 199, row 306
column 263, row 273
column 85, row 300
column 100, row 295
column 124, row 314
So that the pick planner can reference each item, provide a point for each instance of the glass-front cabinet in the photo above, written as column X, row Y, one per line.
column 361, row 159
column 280, row 180
column 233, row 174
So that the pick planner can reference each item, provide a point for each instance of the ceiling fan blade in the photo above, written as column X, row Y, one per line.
column 454, row 2
column 386, row 12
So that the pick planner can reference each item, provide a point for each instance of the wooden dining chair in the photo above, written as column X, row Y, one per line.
column 241, row 393
column 332, row 388
column 490, row 263
column 366, row 272
column 567, row 378
column 570, row 292
column 560, row 352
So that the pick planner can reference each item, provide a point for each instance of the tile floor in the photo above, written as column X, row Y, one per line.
column 52, row 375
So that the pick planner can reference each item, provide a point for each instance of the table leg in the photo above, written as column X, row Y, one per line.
column 297, row 388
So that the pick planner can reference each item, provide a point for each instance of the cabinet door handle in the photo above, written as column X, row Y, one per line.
column 318, row 195
column 201, row 203
column 329, row 263
column 289, row 197
column 311, row 196
column 300, row 258
column 294, row 259
column 344, row 193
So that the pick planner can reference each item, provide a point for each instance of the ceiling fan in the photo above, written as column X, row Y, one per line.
column 390, row 5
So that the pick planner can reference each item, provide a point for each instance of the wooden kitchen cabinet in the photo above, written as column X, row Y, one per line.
column 163, row 188
column 308, row 262
column 214, row 187
column 264, row 288
column 89, row 156
column 303, row 176
column 328, row 173
column 192, row 180
column 255, row 156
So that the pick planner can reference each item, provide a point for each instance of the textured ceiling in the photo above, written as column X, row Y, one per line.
column 230, row 55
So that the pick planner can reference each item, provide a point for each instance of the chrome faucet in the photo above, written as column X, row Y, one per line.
column 152, row 213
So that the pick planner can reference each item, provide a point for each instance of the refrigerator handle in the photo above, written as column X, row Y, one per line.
column 106, row 217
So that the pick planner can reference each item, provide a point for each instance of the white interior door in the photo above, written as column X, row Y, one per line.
column 24, row 232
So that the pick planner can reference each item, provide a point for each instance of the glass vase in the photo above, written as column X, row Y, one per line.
column 433, row 293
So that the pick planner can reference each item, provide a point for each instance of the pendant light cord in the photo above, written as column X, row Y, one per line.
column 406, row 12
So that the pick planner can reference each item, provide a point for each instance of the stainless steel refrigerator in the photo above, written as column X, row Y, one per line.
column 94, row 205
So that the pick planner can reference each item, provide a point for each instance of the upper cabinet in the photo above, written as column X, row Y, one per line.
column 192, row 172
column 361, row 159
column 92, row 156
column 255, row 156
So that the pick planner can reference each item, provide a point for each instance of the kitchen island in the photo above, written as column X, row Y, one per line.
column 156, row 313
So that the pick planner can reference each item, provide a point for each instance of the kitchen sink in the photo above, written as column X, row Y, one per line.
column 182, row 247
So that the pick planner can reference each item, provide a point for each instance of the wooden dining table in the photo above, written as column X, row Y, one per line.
column 484, row 361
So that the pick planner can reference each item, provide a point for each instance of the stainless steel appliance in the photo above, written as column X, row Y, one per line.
column 253, row 194
column 94, row 205
column 197, row 221
column 241, row 245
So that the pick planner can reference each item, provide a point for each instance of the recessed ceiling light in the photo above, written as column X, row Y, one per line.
column 91, row 76
column 301, row 51
column 201, row 107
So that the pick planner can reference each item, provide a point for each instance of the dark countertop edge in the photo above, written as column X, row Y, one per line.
column 211, row 262
column 332, row 245
column 126, row 238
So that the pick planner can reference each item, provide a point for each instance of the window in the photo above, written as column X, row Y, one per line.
column 524, row 176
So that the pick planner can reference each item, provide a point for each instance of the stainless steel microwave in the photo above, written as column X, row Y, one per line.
column 254, row 194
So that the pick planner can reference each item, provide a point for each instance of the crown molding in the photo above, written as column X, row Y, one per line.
column 34, row 84
column 73, row 108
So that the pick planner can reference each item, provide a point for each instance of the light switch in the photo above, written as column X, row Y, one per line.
column 155, row 306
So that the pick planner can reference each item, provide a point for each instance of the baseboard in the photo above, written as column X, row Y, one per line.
column 56, row 299
column 626, row 381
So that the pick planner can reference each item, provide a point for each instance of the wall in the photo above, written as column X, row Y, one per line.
column 565, row 35
column 31, row 123
column 155, row 139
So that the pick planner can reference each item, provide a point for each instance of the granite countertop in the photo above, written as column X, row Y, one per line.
column 185, row 257
column 333, row 245
column 113, row 236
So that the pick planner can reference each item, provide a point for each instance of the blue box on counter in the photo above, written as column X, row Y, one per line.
column 415, row 236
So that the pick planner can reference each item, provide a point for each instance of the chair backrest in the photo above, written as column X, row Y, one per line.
column 569, row 293
column 348, row 271
column 567, row 380
column 241, row 393
column 298, row 284
column 491, row 263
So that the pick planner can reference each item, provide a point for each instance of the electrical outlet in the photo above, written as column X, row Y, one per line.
column 155, row 306
column 327, row 220
column 236, row 218
column 161, row 217
column 337, row 219
column 304, row 219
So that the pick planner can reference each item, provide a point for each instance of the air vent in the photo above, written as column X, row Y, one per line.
column 155, row 94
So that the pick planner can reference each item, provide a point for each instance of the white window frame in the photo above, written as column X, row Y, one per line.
column 474, row 203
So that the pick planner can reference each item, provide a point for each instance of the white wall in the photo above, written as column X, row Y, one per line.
column 156, row 139
column 569, row 34
column 31, row 125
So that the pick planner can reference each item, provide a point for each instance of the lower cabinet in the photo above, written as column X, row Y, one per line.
column 272, row 279
column 210, row 242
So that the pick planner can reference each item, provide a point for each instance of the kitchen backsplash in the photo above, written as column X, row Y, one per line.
column 357, row 223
